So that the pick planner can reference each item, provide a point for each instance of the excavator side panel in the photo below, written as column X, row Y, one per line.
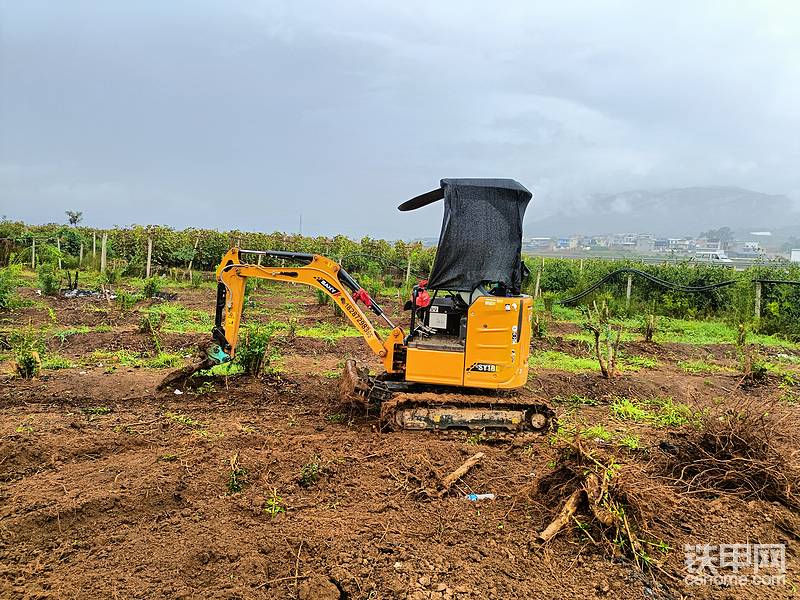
column 498, row 342
column 434, row 366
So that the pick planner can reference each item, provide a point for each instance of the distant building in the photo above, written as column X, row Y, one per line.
column 538, row 243
column 661, row 245
column 645, row 243
column 569, row 243
column 707, row 245
column 795, row 256
column 624, row 241
column 679, row 245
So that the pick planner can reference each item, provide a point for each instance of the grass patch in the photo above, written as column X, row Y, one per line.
column 657, row 412
column 597, row 432
column 629, row 441
column 576, row 400
column 625, row 336
column 328, row 331
column 96, row 410
column 179, row 319
column 54, row 361
column 62, row 334
column 636, row 363
column 124, row 358
column 702, row 333
column 697, row 367
column 184, row 420
column 629, row 410
column 164, row 360
column 560, row 361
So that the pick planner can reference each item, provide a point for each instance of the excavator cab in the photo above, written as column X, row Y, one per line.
column 470, row 323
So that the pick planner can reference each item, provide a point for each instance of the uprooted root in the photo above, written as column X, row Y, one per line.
column 619, row 510
column 737, row 451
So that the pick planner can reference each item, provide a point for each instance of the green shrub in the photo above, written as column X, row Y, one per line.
column 253, row 353
column 322, row 297
column 49, row 281
column 126, row 300
column 27, row 347
column 151, row 287
column 9, row 281
column 111, row 276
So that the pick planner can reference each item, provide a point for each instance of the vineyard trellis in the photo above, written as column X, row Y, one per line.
column 687, row 290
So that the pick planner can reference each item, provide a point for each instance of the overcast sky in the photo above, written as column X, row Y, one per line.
column 245, row 114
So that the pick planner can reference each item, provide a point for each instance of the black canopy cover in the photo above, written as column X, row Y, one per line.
column 481, row 238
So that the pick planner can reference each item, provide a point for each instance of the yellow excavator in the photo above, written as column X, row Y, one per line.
column 465, row 357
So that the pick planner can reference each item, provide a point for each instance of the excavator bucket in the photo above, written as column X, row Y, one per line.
column 207, row 357
column 355, row 385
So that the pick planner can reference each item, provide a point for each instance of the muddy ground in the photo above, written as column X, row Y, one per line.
column 110, row 489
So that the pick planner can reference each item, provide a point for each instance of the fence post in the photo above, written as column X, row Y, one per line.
column 630, row 289
column 80, row 255
column 149, row 254
column 538, row 281
column 408, row 268
column 58, row 247
column 33, row 253
column 191, row 260
column 758, row 300
column 103, row 249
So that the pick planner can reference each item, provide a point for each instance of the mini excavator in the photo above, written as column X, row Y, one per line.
column 465, row 357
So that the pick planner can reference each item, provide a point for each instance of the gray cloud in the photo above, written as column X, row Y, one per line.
column 245, row 114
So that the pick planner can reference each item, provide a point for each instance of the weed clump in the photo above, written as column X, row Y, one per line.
column 310, row 472
column 8, row 286
column 27, row 349
column 151, row 287
column 254, row 352
column 49, row 281
column 237, row 478
column 126, row 300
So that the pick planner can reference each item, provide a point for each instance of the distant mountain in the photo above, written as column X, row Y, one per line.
column 672, row 212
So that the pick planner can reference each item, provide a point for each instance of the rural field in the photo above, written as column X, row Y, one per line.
column 270, row 487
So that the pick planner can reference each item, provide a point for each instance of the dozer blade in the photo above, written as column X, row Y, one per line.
column 355, row 384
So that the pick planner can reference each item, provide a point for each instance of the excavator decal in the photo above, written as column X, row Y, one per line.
column 327, row 285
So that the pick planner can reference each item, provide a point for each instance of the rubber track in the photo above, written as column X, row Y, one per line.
column 403, row 400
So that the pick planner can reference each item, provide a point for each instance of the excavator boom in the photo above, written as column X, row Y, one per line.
column 318, row 272
column 315, row 271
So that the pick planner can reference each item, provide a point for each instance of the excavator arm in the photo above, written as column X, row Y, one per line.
column 318, row 272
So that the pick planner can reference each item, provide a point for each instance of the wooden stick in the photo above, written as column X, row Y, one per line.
column 450, row 479
column 297, row 565
column 570, row 506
